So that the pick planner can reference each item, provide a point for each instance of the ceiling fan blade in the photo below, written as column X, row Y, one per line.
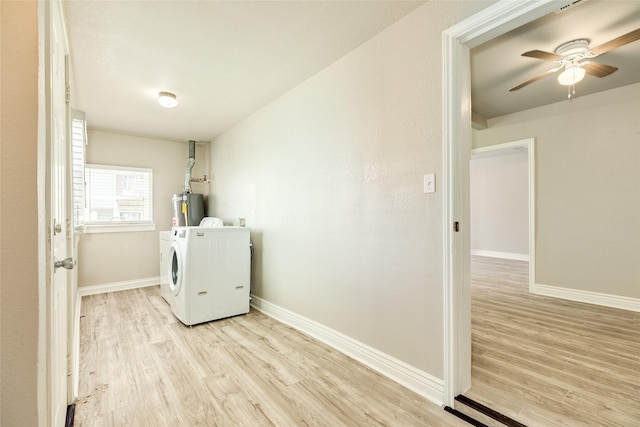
column 534, row 79
column 617, row 42
column 540, row 54
column 597, row 69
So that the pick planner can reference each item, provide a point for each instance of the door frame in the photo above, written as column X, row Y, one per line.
column 52, row 386
column 457, row 41
column 527, row 144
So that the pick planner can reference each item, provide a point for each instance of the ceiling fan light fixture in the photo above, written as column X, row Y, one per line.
column 571, row 75
column 167, row 99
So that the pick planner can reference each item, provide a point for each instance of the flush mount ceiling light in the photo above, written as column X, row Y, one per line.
column 571, row 75
column 167, row 99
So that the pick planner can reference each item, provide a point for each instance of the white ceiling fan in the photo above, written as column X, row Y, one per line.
column 575, row 58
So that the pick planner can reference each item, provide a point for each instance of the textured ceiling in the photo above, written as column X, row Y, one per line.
column 497, row 65
column 227, row 59
column 223, row 59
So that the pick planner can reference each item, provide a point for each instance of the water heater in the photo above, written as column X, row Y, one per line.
column 188, row 209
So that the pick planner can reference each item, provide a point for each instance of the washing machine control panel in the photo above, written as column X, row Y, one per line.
column 179, row 233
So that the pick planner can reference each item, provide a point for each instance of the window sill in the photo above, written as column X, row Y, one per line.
column 118, row 228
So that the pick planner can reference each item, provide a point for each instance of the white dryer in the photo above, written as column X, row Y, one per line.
column 210, row 273
column 165, row 246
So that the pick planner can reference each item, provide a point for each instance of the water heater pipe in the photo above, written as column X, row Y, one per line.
column 192, row 161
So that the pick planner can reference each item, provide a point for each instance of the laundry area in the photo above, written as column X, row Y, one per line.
column 191, row 351
column 258, row 213
column 203, row 265
column 208, row 264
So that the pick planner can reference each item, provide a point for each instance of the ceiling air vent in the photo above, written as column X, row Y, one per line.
column 571, row 5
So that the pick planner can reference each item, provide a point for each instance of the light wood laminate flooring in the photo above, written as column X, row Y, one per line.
column 550, row 362
column 139, row 366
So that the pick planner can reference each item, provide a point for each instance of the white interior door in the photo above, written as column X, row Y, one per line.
column 58, row 226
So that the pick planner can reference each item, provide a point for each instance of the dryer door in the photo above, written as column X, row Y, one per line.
column 176, row 268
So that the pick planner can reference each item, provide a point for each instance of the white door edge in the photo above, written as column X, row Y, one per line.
column 52, row 329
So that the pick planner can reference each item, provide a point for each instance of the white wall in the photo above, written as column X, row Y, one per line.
column 329, row 178
column 18, row 214
column 500, row 205
column 107, row 258
column 587, row 189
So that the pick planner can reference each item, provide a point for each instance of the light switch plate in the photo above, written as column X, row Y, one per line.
column 430, row 183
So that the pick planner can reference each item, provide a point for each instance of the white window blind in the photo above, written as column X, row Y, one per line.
column 78, row 143
column 119, row 195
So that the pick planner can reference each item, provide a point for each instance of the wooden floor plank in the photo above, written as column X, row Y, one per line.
column 539, row 360
column 140, row 367
column 550, row 362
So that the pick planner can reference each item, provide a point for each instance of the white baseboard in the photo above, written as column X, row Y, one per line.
column 118, row 286
column 607, row 300
column 414, row 379
column 496, row 254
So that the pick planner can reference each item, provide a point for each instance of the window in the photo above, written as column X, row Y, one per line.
column 78, row 142
column 118, row 196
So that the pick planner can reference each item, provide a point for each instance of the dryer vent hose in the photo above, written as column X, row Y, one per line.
column 192, row 161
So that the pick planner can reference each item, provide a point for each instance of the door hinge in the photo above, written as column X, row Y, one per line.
column 456, row 226
column 67, row 95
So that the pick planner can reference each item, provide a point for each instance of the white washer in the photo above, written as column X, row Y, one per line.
column 210, row 273
column 165, row 266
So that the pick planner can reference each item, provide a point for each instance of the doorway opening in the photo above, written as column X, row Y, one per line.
column 489, row 23
column 457, row 42
column 502, row 271
column 501, row 242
